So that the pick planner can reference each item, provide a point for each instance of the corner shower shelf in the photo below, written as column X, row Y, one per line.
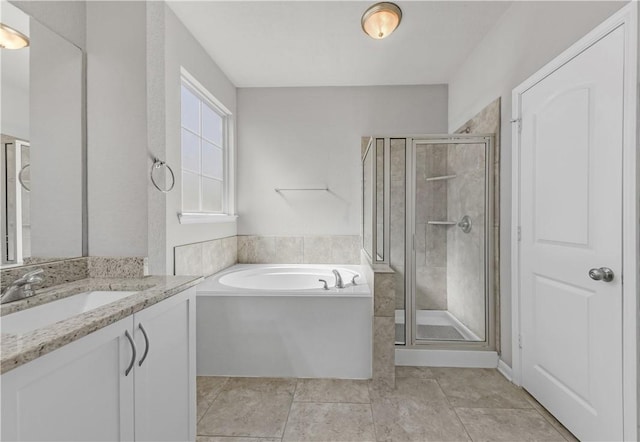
column 439, row 178
column 443, row 223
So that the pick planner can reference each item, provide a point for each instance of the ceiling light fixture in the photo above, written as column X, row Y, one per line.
column 381, row 19
column 12, row 39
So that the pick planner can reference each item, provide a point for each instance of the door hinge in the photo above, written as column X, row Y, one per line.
column 519, row 341
column 518, row 121
column 519, row 233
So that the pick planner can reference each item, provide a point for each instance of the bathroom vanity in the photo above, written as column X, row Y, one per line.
column 124, row 370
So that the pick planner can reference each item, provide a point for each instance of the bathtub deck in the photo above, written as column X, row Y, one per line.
column 427, row 404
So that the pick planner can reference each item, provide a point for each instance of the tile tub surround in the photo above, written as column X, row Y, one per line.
column 55, row 272
column 419, row 408
column 319, row 249
column 20, row 349
column 206, row 258
column 383, row 282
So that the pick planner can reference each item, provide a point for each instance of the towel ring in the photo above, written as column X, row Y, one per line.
column 24, row 186
column 157, row 164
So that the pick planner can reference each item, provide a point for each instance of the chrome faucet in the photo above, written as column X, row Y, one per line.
column 339, row 283
column 21, row 287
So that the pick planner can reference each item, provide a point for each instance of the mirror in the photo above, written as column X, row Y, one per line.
column 42, row 146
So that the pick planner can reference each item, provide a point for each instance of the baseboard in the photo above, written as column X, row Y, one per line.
column 446, row 358
column 505, row 370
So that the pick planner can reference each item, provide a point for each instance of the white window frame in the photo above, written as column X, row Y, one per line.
column 228, row 157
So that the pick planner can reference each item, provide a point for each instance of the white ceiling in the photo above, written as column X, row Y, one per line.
column 321, row 43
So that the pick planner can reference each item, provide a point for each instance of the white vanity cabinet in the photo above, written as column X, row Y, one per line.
column 165, row 394
column 78, row 392
column 81, row 392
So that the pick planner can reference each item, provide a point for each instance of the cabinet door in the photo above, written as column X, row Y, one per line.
column 165, row 398
column 76, row 393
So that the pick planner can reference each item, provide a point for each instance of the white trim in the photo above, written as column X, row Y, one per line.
column 200, row 218
column 446, row 358
column 191, row 80
column 228, row 148
column 505, row 370
column 626, row 16
column 19, row 252
column 439, row 317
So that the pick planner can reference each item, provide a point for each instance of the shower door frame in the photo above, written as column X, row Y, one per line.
column 489, row 343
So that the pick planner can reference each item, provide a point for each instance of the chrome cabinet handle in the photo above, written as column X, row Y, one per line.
column 604, row 274
column 146, row 343
column 133, row 356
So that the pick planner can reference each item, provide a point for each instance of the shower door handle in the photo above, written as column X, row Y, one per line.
column 604, row 274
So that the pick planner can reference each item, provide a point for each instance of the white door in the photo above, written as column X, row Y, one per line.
column 79, row 392
column 571, row 222
column 165, row 392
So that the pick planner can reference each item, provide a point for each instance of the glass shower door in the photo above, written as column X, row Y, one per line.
column 450, row 222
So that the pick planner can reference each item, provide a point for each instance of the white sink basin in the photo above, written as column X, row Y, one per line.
column 52, row 312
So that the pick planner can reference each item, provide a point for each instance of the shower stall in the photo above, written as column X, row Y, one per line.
column 427, row 215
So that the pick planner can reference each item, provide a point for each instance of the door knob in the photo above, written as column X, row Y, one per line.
column 602, row 274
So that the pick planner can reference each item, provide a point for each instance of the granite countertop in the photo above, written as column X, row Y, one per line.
column 18, row 349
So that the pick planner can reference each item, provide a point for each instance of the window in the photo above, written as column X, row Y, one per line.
column 205, row 140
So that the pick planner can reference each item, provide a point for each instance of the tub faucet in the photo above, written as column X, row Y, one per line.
column 21, row 287
column 339, row 283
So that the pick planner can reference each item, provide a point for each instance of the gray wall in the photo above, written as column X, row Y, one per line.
column 527, row 36
column 157, row 147
column 181, row 49
column 117, row 128
column 67, row 18
column 311, row 137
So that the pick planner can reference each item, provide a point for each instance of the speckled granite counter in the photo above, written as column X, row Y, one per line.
column 20, row 349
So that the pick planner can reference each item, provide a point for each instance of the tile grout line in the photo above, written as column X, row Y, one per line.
column 553, row 425
column 551, row 419
column 332, row 402
column 453, row 409
column 462, row 423
column 373, row 422
column 209, row 407
column 286, row 422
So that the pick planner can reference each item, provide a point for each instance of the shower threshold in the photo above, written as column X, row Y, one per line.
column 435, row 325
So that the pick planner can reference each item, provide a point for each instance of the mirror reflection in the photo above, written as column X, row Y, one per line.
column 41, row 137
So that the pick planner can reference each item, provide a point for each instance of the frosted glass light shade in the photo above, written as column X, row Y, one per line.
column 381, row 19
column 12, row 39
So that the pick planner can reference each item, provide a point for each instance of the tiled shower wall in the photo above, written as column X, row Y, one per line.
column 449, row 263
column 488, row 122
column 206, row 258
column 431, row 239
column 465, row 251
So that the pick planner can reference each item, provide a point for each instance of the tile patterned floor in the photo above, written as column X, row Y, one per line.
column 428, row 404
